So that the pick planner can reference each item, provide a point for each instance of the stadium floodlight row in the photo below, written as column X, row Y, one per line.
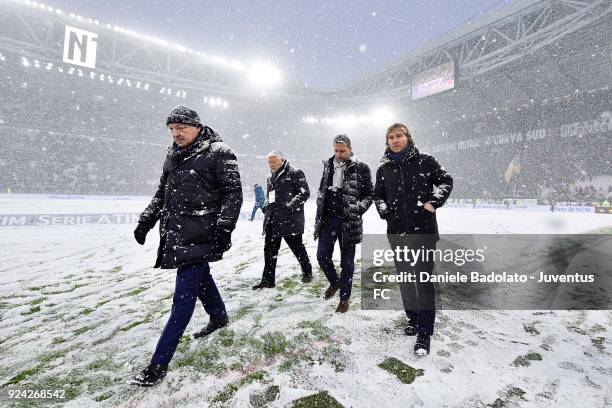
column 212, row 101
column 41, row 31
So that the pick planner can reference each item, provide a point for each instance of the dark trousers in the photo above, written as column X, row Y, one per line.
column 255, row 207
column 192, row 282
column 331, row 229
column 271, row 247
column 419, row 298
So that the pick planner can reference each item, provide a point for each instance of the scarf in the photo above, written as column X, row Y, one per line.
column 338, row 177
column 398, row 158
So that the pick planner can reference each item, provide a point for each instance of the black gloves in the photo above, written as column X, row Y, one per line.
column 222, row 241
column 140, row 234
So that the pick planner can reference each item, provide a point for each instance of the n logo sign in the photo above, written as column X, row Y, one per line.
column 80, row 47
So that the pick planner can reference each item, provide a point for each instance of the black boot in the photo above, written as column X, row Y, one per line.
column 421, row 347
column 151, row 375
column 307, row 273
column 410, row 329
column 212, row 326
column 262, row 285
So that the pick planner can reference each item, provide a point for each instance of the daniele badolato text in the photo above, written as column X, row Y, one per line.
column 460, row 258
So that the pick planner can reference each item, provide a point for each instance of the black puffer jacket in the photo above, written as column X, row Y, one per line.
column 199, row 192
column 285, row 216
column 357, row 193
column 402, row 189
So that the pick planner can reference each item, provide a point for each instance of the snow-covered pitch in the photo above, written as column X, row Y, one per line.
column 81, row 309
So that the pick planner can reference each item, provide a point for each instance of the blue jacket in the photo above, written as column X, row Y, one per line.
column 260, row 196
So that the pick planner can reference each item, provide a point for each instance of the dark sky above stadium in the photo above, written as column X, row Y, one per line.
column 321, row 43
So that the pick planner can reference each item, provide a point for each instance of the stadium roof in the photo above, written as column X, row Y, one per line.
column 35, row 29
column 485, row 44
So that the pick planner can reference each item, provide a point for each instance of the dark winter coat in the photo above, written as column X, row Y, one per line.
column 199, row 192
column 402, row 189
column 357, row 194
column 285, row 216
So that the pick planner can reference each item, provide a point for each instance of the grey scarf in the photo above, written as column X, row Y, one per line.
column 338, row 174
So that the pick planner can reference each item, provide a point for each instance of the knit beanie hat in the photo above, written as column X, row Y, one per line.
column 182, row 114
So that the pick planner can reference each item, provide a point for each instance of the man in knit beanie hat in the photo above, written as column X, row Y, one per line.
column 197, row 204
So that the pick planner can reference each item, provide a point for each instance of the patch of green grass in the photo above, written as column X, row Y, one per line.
column 75, row 287
column 34, row 309
column 50, row 356
column 101, row 383
column 577, row 329
column 241, row 266
column 38, row 301
column 102, row 303
column 525, row 361
column 82, row 330
column 401, row 370
column 58, row 340
column 333, row 355
column 117, row 268
column 226, row 337
column 37, row 288
column 515, row 392
column 132, row 325
column 86, row 311
column 510, row 393
column 262, row 399
column 206, row 360
column 184, row 344
column 318, row 286
column 598, row 343
column 498, row 403
column 317, row 328
column 71, row 383
column 104, row 396
column 23, row 375
column 134, row 292
column 98, row 364
column 321, row 399
column 230, row 390
column 289, row 285
column 294, row 360
column 274, row 343
column 398, row 325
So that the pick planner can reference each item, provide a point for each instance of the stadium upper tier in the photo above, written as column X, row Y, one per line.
column 545, row 98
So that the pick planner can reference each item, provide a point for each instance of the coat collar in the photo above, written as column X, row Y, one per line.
column 384, row 159
column 200, row 145
column 349, row 163
column 284, row 168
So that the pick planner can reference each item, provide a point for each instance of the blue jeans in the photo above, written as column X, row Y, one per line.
column 331, row 229
column 192, row 282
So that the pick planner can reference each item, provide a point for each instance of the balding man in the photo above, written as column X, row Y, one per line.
column 287, row 191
